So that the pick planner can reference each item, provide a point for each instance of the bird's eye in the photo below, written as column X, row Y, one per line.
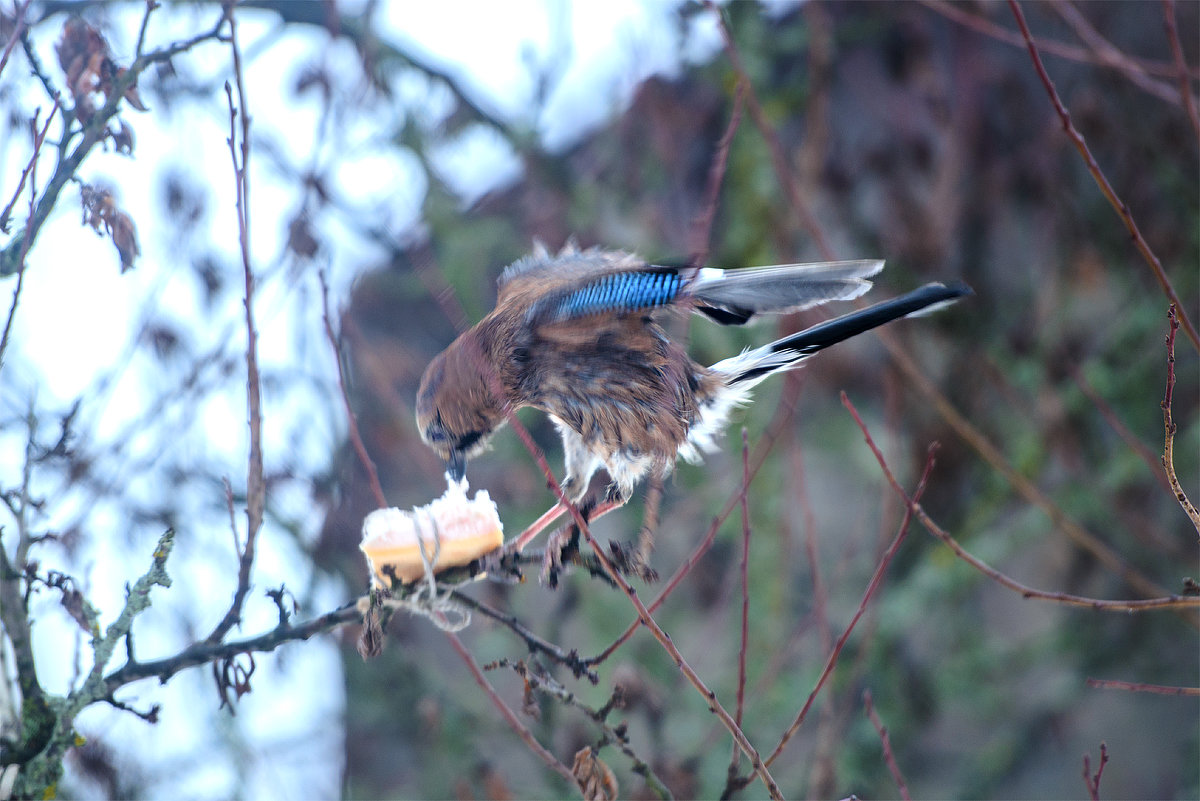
column 435, row 433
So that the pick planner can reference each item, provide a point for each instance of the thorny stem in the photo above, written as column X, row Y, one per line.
column 1105, row 187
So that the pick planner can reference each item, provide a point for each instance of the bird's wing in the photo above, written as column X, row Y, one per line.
column 576, row 284
column 732, row 297
column 579, row 284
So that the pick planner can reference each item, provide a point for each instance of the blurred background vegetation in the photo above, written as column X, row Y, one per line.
column 915, row 132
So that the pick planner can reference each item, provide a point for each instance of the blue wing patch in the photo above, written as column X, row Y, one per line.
column 615, row 292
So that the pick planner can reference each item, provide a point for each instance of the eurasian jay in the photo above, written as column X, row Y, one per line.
column 575, row 335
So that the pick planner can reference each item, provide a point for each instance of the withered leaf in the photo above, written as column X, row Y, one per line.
column 124, row 236
column 596, row 780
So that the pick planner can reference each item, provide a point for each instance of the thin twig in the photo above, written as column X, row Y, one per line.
column 1168, row 457
column 1093, row 781
column 664, row 639
column 569, row 660
column 782, row 171
column 255, row 484
column 617, row 736
column 27, row 240
column 701, row 232
column 1167, row 602
column 509, row 716
column 969, row 433
column 356, row 439
column 1097, row 174
column 744, row 576
column 203, row 652
column 19, row 10
column 888, row 756
column 93, row 133
column 1070, row 52
column 1140, row 687
column 151, row 5
column 1108, row 54
column 1181, row 67
column 872, row 586
column 1110, row 415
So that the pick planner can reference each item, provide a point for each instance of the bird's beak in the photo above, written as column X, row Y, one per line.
column 456, row 465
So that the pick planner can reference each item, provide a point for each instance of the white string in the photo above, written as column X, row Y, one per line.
column 443, row 611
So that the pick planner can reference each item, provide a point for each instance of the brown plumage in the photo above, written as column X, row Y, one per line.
column 575, row 335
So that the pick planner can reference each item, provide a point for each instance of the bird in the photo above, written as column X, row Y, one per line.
column 578, row 334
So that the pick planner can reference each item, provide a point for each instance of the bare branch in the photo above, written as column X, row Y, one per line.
column 1168, row 457
column 1097, row 174
column 888, row 756
column 1182, row 73
column 872, row 586
column 92, row 134
column 255, row 485
column 1093, row 781
column 356, row 439
column 17, row 31
column 509, row 716
column 1168, row 602
column 1139, row 687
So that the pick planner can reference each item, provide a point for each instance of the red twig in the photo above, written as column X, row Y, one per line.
column 1110, row 415
column 1093, row 781
column 778, row 158
column 1098, row 175
column 30, row 168
column 1168, row 457
column 702, row 227
column 1139, row 687
column 888, row 756
column 1181, row 67
column 1110, row 55
column 509, row 716
column 745, row 576
column 985, row 26
column 19, row 10
column 355, row 438
column 30, row 171
column 745, row 579
column 1167, row 602
column 255, row 485
column 872, row 586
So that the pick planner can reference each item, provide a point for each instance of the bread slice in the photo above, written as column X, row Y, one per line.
column 466, row 529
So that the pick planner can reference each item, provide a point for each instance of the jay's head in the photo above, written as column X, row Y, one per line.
column 456, row 410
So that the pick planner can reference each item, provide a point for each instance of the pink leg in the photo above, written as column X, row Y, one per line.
column 537, row 526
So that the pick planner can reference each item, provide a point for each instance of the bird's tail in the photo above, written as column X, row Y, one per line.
column 751, row 366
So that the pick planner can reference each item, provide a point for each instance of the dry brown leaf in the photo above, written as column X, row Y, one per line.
column 596, row 780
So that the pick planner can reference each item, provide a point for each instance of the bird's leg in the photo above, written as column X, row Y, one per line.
column 562, row 545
